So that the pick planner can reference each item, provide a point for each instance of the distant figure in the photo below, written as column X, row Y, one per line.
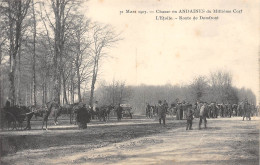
column 179, row 114
column 29, row 116
column 119, row 111
column 246, row 110
column 83, row 116
column 161, row 112
column 189, row 117
column 230, row 111
column 7, row 103
column 148, row 111
column 203, row 114
column 165, row 105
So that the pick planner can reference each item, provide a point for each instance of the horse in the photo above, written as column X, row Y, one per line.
column 51, row 106
column 104, row 112
column 72, row 111
column 68, row 108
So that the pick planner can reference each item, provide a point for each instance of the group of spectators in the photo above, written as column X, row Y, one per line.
column 201, row 110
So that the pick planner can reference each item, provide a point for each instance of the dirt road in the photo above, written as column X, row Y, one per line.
column 225, row 141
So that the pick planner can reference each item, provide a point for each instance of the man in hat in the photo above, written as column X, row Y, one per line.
column 189, row 117
column 161, row 112
column 203, row 114
column 7, row 103
column 119, row 111
column 246, row 110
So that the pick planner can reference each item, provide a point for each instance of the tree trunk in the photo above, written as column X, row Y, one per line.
column 78, row 78
column 34, row 55
column 94, row 78
column 72, row 89
column 14, row 19
column 56, row 52
column 1, row 78
column 19, row 75
column 64, row 89
column 45, row 92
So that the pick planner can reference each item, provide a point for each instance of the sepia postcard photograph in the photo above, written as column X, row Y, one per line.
column 129, row 82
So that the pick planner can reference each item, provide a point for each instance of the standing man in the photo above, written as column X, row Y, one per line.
column 7, row 103
column 148, row 110
column 28, row 120
column 119, row 111
column 203, row 114
column 222, row 110
column 189, row 117
column 161, row 112
column 229, row 107
column 95, row 110
column 178, row 114
column 246, row 110
column 165, row 105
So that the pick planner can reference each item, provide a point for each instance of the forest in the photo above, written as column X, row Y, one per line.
column 49, row 50
column 216, row 87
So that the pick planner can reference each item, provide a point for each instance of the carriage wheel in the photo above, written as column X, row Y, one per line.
column 12, row 122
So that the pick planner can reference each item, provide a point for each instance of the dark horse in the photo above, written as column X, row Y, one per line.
column 68, row 108
column 104, row 112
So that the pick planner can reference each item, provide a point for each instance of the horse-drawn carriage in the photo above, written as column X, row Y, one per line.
column 13, row 117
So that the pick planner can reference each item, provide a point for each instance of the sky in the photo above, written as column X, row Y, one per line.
column 155, row 52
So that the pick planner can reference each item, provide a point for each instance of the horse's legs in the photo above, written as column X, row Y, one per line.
column 55, row 120
column 45, row 119
column 70, row 118
column 43, row 123
column 46, row 123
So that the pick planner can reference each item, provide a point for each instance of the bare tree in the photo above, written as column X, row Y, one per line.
column 103, row 37
column 81, row 59
column 199, row 87
column 221, row 85
column 3, row 38
column 61, row 10
column 34, row 55
column 114, row 93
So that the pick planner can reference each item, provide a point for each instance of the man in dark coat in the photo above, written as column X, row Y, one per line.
column 83, row 116
column 148, row 111
column 246, row 110
column 189, row 117
column 161, row 112
column 7, row 103
column 165, row 105
column 179, row 111
column 119, row 111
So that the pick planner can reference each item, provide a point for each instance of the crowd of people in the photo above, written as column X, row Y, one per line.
column 201, row 110
column 181, row 110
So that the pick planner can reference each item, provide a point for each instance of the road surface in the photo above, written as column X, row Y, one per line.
column 144, row 141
